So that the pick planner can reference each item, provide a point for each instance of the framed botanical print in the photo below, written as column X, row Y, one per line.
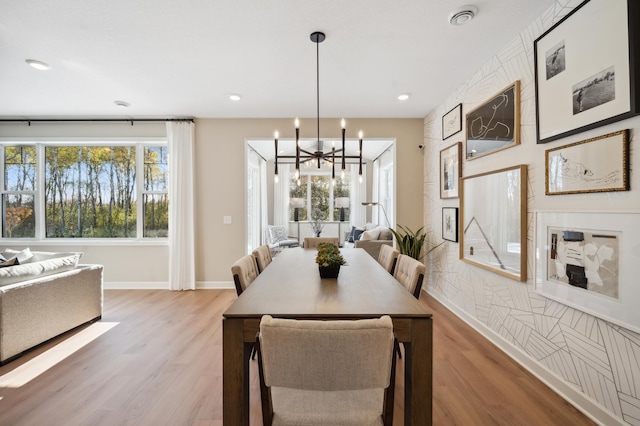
column 450, row 170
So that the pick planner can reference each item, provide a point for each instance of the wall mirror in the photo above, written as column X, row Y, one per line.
column 493, row 217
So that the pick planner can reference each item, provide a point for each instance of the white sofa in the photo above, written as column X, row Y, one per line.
column 45, row 297
column 372, row 238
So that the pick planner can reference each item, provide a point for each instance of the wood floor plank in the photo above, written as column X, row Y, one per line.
column 158, row 360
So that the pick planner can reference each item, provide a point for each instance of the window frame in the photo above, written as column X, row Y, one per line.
column 318, row 172
column 40, row 228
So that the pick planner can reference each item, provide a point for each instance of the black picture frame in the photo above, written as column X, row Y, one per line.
column 450, row 224
column 494, row 125
column 452, row 122
column 586, row 69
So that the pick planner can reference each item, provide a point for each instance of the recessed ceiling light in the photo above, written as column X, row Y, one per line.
column 39, row 65
column 122, row 104
column 462, row 15
column 235, row 97
column 404, row 96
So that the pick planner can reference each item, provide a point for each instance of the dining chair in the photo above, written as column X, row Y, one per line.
column 244, row 271
column 388, row 257
column 263, row 257
column 315, row 372
column 410, row 273
column 312, row 242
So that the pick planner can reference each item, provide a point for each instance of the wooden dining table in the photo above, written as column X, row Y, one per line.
column 291, row 287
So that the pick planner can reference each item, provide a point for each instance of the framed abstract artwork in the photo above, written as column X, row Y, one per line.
column 493, row 221
column 450, row 224
column 495, row 124
column 598, row 164
column 450, row 170
column 452, row 122
column 590, row 261
column 584, row 77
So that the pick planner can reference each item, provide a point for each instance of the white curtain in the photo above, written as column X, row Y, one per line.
column 182, row 271
column 264, row 206
column 358, row 196
column 375, row 192
column 281, row 197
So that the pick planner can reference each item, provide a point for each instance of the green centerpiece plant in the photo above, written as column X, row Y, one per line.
column 329, row 260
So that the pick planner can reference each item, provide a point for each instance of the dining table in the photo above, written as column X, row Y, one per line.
column 291, row 287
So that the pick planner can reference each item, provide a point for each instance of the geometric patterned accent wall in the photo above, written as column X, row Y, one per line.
column 599, row 359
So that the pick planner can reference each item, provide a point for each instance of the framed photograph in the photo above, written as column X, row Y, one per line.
column 590, row 261
column 495, row 124
column 452, row 122
column 595, row 165
column 583, row 75
column 450, row 170
column 493, row 208
column 450, row 224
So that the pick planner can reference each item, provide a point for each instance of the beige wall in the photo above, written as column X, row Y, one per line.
column 220, row 180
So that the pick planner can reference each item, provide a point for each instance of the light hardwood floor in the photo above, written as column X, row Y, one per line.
column 155, row 359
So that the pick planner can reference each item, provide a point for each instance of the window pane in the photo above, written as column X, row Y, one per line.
column 298, row 191
column 20, row 168
column 156, row 215
column 90, row 192
column 19, row 220
column 156, row 169
column 320, row 197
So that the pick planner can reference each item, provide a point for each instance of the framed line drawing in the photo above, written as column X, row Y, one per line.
column 495, row 124
column 590, row 261
column 450, row 224
column 599, row 164
column 452, row 122
column 583, row 75
column 493, row 221
column 450, row 170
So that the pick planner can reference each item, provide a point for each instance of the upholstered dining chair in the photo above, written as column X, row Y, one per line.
column 312, row 242
column 410, row 272
column 263, row 257
column 388, row 257
column 244, row 271
column 316, row 372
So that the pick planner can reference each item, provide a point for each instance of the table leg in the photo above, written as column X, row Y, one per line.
column 418, row 364
column 235, row 374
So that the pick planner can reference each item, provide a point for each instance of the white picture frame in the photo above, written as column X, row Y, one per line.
column 607, row 247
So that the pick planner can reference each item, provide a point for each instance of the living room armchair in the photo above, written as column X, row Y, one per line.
column 278, row 239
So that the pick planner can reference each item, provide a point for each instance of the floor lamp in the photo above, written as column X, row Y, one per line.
column 373, row 203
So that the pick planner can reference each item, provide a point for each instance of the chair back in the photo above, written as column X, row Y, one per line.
column 263, row 257
column 410, row 272
column 244, row 271
column 388, row 257
column 326, row 355
column 276, row 233
column 312, row 242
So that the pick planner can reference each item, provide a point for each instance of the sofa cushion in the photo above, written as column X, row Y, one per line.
column 42, row 264
column 11, row 262
column 355, row 233
column 385, row 234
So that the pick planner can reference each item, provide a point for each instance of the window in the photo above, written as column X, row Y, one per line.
column 85, row 191
column 319, row 194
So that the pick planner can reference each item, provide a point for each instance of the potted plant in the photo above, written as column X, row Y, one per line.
column 329, row 260
column 409, row 242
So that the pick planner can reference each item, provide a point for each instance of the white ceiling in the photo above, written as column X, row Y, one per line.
column 169, row 58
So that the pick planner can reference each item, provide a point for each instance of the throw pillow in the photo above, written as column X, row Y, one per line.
column 277, row 234
column 370, row 235
column 385, row 234
column 355, row 234
column 24, row 256
column 11, row 262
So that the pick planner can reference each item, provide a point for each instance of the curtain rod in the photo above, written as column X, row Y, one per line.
column 80, row 120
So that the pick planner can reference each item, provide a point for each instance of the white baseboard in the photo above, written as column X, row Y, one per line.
column 148, row 285
column 585, row 404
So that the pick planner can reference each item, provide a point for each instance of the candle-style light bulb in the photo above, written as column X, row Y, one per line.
column 297, row 123
column 360, row 134
column 342, row 174
column 297, row 174
column 343, row 123
column 360, row 179
column 276, row 134
column 276, row 179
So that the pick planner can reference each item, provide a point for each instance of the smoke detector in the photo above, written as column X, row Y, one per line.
column 462, row 15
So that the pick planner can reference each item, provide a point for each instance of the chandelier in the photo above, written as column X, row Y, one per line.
column 303, row 156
